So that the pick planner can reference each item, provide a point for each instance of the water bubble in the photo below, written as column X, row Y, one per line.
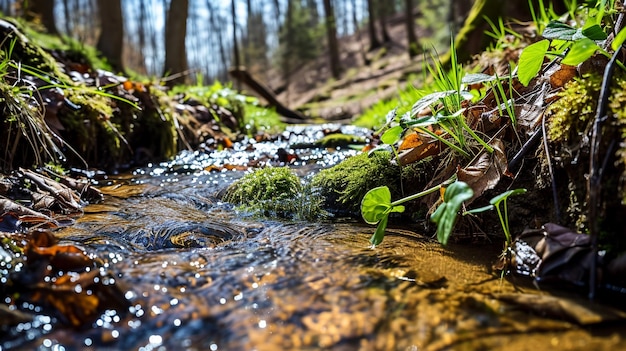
column 213, row 347
column 155, row 340
column 177, row 322
column 222, row 300
column 262, row 324
column 88, row 342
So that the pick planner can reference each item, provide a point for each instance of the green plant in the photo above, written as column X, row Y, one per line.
column 499, row 32
column 377, row 205
column 445, row 104
column 503, row 215
column 446, row 213
column 573, row 44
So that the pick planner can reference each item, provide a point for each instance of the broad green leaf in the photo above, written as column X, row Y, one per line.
column 379, row 234
column 594, row 32
column 531, row 60
column 558, row 30
column 580, row 51
column 376, row 204
column 619, row 39
column 392, row 135
column 499, row 198
column 446, row 214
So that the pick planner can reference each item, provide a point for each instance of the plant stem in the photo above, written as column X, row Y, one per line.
column 443, row 140
column 423, row 193
column 476, row 137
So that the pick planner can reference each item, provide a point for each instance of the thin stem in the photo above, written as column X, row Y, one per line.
column 476, row 137
column 423, row 193
column 443, row 140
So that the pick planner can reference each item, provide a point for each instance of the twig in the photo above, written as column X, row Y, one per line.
column 596, row 170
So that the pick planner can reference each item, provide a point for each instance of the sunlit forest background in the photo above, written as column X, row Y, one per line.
column 268, row 37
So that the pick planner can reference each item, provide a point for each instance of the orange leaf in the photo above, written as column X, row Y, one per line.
column 410, row 141
column 562, row 76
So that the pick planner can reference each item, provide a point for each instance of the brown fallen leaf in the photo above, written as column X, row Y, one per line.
column 486, row 171
column 563, row 75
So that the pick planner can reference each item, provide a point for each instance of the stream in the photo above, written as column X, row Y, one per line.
column 198, row 274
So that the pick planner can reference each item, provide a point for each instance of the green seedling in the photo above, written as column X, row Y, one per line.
column 377, row 205
column 446, row 213
column 499, row 202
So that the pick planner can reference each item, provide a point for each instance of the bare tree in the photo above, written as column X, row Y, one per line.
column 42, row 10
column 333, row 44
column 374, row 42
column 111, row 39
column 175, row 34
column 383, row 10
column 413, row 45
column 235, row 44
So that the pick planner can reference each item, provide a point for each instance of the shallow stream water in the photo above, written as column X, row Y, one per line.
column 200, row 275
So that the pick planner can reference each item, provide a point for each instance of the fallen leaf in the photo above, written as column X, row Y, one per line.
column 486, row 171
column 563, row 75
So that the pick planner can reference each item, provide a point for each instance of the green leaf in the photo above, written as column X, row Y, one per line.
column 430, row 99
column 475, row 78
column 379, row 234
column 376, row 204
column 531, row 60
column 580, row 51
column 594, row 32
column 446, row 214
column 479, row 210
column 558, row 30
column 619, row 39
column 499, row 198
column 392, row 135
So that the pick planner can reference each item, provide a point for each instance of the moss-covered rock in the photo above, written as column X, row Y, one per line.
column 344, row 185
column 274, row 191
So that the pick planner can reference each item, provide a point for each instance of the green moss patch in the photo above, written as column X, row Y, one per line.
column 274, row 192
column 344, row 185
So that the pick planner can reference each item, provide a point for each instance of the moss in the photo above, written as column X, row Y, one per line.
column 274, row 191
column 344, row 185
column 569, row 116
column 569, row 125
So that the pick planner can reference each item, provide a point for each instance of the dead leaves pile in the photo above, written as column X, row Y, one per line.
column 36, row 269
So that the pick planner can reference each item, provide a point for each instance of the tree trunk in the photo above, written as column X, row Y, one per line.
column 333, row 45
column 215, row 29
column 413, row 45
column 374, row 42
column 233, row 14
column 471, row 40
column 175, row 33
column 111, row 40
column 43, row 10
column 383, row 10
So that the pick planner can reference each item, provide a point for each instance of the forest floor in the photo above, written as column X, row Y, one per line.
column 368, row 75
